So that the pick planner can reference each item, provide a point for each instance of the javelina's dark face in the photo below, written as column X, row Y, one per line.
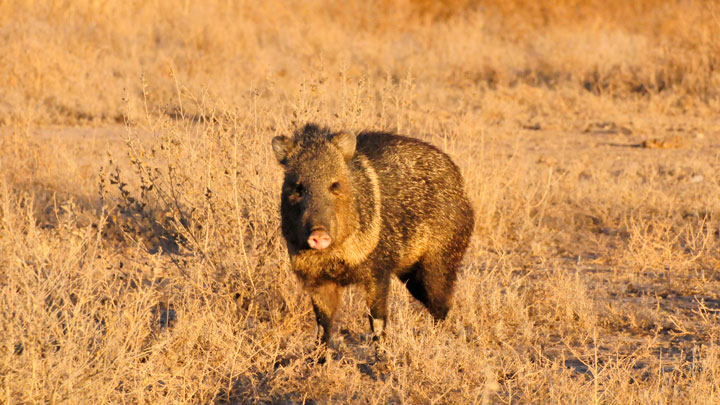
column 317, row 193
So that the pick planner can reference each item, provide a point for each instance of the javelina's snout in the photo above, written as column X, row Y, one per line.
column 319, row 239
column 319, row 222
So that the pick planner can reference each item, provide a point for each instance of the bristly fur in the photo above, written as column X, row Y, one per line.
column 399, row 208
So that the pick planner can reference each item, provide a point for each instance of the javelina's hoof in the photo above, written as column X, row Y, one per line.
column 326, row 352
column 327, row 355
column 318, row 358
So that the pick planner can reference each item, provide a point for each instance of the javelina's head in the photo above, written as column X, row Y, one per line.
column 317, row 196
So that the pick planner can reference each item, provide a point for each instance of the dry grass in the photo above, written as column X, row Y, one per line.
column 140, row 256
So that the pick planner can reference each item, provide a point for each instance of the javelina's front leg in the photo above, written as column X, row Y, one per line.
column 377, row 295
column 326, row 300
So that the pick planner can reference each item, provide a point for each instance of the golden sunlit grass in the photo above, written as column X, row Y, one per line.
column 140, row 255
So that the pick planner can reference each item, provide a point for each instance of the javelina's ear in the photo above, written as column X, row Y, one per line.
column 346, row 142
column 282, row 145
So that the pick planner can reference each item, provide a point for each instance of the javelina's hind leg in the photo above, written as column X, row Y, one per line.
column 376, row 295
column 414, row 283
column 437, row 276
column 326, row 300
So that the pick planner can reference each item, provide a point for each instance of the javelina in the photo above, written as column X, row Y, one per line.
column 357, row 209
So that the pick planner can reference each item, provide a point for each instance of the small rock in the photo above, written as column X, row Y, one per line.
column 697, row 178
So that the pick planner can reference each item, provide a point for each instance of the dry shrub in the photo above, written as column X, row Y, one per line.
column 69, row 62
column 172, row 283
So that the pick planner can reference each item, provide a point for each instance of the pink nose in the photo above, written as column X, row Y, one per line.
column 319, row 240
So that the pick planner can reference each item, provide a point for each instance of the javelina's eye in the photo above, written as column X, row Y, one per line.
column 300, row 189
column 334, row 187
